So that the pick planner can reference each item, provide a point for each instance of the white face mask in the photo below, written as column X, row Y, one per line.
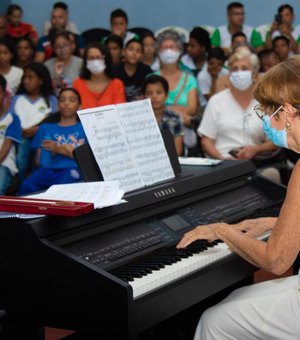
column 169, row 56
column 96, row 66
column 241, row 80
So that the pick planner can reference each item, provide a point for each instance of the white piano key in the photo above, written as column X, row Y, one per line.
column 177, row 270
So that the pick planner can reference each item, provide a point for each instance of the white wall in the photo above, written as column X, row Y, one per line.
column 153, row 14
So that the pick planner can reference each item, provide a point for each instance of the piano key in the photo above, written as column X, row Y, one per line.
column 172, row 272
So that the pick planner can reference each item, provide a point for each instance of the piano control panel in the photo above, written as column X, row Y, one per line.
column 109, row 250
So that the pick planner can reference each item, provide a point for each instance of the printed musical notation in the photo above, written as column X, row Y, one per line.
column 127, row 144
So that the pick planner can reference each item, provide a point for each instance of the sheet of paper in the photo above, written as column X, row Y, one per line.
column 145, row 141
column 199, row 161
column 110, row 147
column 102, row 194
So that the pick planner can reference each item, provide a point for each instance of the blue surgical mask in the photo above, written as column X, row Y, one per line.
column 278, row 137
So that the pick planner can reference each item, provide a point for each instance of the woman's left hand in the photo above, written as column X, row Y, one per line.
column 202, row 232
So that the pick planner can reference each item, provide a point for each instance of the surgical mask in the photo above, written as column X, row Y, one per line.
column 96, row 66
column 169, row 56
column 278, row 137
column 241, row 80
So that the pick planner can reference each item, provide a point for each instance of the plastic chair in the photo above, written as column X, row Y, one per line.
column 95, row 35
column 210, row 29
column 263, row 29
column 141, row 31
column 184, row 34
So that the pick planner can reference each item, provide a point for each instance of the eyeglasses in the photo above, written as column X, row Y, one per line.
column 62, row 48
column 261, row 113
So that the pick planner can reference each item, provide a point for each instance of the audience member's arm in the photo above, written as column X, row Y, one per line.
column 178, row 140
column 208, row 146
column 187, row 112
column 250, row 151
column 65, row 149
column 5, row 149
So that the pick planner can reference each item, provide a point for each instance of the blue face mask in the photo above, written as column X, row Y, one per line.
column 278, row 137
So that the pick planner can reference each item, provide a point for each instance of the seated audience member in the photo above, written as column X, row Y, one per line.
column 114, row 44
column 16, row 28
column 182, row 96
column 284, row 26
column 34, row 101
column 96, row 84
column 229, row 127
column 65, row 67
column 132, row 71
column 197, row 49
column 11, row 73
column 267, row 58
column 149, row 54
column 119, row 25
column 281, row 45
column 25, row 51
column 60, row 13
column 44, row 49
column 10, row 136
column 55, row 143
column 3, row 28
column 207, row 77
column 238, row 39
column 221, row 37
column 156, row 88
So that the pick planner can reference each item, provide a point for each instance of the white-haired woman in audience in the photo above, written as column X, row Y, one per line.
column 182, row 97
column 230, row 128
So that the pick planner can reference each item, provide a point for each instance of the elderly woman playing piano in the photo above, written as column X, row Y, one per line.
column 270, row 309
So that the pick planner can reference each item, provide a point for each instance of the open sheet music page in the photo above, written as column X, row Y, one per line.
column 110, row 147
column 145, row 141
column 127, row 144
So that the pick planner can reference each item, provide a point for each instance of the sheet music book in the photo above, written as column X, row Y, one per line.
column 127, row 144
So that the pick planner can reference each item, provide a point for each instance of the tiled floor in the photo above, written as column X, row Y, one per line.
column 57, row 334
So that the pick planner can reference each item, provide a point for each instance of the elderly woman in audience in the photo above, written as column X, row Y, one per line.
column 65, row 67
column 96, row 84
column 183, row 96
column 230, row 128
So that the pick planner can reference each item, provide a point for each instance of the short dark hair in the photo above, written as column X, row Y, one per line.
column 238, row 34
column 155, row 79
column 3, row 82
column 234, row 5
column 280, row 37
column 72, row 90
column 285, row 6
column 85, row 73
column 13, row 7
column 115, row 39
column 117, row 13
column 61, row 5
column 61, row 33
column 201, row 35
column 134, row 40
column 217, row 53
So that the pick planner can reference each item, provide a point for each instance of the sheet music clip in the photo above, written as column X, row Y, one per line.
column 27, row 205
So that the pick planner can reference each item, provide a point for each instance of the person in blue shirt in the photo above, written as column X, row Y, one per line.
column 10, row 136
column 55, row 143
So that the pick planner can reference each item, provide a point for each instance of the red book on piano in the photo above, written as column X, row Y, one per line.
column 27, row 205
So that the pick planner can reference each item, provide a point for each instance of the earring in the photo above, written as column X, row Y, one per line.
column 288, row 125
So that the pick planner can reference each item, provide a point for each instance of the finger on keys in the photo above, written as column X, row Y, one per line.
column 187, row 239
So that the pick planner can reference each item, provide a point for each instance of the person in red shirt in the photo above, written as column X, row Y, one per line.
column 16, row 28
column 96, row 84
